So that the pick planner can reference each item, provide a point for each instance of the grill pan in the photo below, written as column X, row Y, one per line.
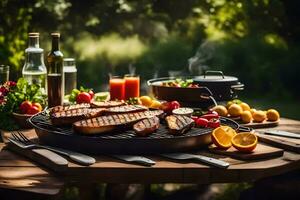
column 122, row 141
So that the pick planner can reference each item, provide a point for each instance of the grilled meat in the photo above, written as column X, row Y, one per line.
column 71, row 116
column 107, row 104
column 112, row 122
column 146, row 126
column 179, row 124
column 126, row 109
column 66, row 108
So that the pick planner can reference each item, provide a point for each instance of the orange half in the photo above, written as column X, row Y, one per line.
column 222, row 136
column 244, row 142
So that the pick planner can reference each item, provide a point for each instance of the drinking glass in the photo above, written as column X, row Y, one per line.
column 117, row 88
column 4, row 73
column 132, row 86
column 70, row 75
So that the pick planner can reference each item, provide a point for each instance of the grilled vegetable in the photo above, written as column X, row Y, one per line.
column 178, row 124
column 146, row 126
column 112, row 122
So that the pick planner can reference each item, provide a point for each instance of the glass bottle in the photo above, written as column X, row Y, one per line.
column 70, row 75
column 34, row 69
column 55, row 77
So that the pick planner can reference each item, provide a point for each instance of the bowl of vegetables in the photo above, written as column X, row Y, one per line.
column 184, row 90
column 18, row 102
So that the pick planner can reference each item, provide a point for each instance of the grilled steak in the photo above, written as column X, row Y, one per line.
column 71, row 116
column 146, row 126
column 126, row 109
column 107, row 104
column 66, row 108
column 179, row 124
column 112, row 122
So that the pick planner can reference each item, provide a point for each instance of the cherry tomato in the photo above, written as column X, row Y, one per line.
column 38, row 105
column 91, row 92
column 165, row 106
column 194, row 118
column 210, row 116
column 174, row 105
column 201, row 122
column 24, row 107
column 212, row 112
column 32, row 110
column 214, row 123
column 83, row 97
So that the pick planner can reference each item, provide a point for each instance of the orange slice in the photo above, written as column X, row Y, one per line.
column 222, row 136
column 244, row 142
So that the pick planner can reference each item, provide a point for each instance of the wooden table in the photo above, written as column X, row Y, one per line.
column 19, row 173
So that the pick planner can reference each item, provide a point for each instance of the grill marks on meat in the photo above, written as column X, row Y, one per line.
column 108, row 123
column 178, row 124
column 146, row 126
column 70, row 116
column 107, row 104
column 126, row 109
column 66, row 108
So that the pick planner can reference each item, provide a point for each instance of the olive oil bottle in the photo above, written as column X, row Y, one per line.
column 55, row 76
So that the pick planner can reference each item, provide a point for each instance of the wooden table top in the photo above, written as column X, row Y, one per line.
column 16, row 172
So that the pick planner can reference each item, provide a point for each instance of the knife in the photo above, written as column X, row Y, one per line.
column 196, row 157
column 136, row 159
column 282, row 134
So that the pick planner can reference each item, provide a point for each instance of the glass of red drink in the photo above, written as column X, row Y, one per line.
column 132, row 86
column 117, row 88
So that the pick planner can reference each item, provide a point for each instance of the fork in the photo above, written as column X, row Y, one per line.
column 28, row 144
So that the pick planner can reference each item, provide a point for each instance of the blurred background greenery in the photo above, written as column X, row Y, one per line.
column 256, row 40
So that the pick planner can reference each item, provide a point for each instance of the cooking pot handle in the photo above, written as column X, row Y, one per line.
column 213, row 72
column 238, row 86
column 208, row 96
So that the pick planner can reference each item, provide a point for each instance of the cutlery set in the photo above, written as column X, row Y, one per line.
column 21, row 141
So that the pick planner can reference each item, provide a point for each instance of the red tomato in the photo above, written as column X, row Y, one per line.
column 91, row 93
column 214, row 123
column 24, row 107
column 201, row 122
column 83, row 97
column 165, row 106
column 38, row 105
column 194, row 118
column 32, row 110
column 174, row 105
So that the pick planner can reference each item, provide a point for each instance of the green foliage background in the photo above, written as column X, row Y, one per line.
column 256, row 40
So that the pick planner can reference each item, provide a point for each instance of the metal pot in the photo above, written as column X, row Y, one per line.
column 224, row 88
column 194, row 97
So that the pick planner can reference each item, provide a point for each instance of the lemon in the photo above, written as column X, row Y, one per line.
column 221, row 110
column 246, row 116
column 245, row 106
column 259, row 116
column 229, row 103
column 155, row 104
column 273, row 115
column 146, row 100
column 235, row 110
column 252, row 110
